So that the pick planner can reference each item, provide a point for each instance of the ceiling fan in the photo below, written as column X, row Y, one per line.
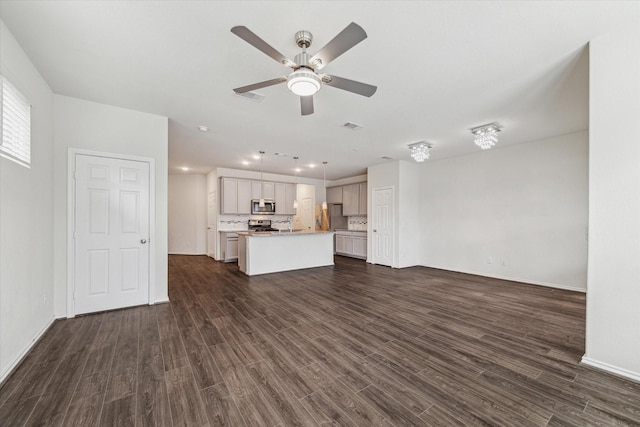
column 305, row 80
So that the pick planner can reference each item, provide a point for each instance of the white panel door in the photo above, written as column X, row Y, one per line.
column 111, row 233
column 382, row 226
column 211, row 224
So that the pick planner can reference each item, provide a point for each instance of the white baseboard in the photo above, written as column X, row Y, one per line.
column 186, row 253
column 635, row 376
column 25, row 352
column 515, row 279
column 162, row 301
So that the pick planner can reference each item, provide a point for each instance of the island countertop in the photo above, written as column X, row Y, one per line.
column 281, row 233
column 273, row 251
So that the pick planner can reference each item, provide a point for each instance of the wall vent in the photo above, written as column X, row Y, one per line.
column 253, row 96
column 352, row 126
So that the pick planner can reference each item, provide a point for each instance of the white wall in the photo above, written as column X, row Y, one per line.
column 187, row 214
column 613, row 297
column 525, row 205
column 409, row 215
column 26, row 223
column 91, row 126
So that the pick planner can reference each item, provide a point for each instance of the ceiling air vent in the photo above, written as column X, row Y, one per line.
column 255, row 97
column 352, row 126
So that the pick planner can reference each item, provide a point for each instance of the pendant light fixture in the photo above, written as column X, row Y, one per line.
column 295, row 181
column 324, row 182
column 261, row 204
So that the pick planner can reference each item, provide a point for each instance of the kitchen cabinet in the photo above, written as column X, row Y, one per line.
column 334, row 195
column 262, row 190
column 236, row 196
column 244, row 197
column 359, row 246
column 290, row 194
column 362, row 199
column 229, row 246
column 229, row 187
column 351, row 200
column 351, row 243
column 285, row 194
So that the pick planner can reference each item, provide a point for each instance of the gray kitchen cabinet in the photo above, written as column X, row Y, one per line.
column 263, row 190
column 351, row 200
column 351, row 243
column 236, row 196
column 362, row 199
column 285, row 194
column 229, row 246
column 334, row 195
column 291, row 192
column 244, row 196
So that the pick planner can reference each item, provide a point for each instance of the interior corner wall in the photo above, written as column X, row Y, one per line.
column 613, row 297
column 187, row 214
column 517, row 212
column 26, row 220
column 409, row 223
column 86, row 125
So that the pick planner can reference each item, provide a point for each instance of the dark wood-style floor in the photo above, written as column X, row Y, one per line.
column 350, row 345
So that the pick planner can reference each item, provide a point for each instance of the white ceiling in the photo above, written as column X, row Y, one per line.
column 441, row 68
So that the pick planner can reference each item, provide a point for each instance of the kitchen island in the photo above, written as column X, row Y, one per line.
column 271, row 252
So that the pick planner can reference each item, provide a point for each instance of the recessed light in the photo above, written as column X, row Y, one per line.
column 203, row 128
column 256, row 157
column 298, row 170
column 311, row 165
column 244, row 162
column 184, row 168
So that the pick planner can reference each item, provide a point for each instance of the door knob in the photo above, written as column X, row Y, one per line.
column 143, row 241
column 375, row 231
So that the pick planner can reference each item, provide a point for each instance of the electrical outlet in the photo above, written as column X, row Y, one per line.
column 489, row 260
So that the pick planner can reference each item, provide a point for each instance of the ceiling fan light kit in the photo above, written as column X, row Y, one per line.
column 305, row 81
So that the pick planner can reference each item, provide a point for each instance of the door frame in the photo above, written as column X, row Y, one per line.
column 71, row 205
column 393, row 225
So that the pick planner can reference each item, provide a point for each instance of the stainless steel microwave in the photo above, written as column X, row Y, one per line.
column 269, row 207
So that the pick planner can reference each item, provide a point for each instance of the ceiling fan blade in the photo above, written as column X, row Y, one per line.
column 349, row 85
column 306, row 105
column 260, row 85
column 250, row 37
column 345, row 40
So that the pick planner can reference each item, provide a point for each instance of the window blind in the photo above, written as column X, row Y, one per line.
column 15, row 112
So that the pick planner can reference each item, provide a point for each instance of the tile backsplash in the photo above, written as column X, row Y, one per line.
column 240, row 222
column 357, row 223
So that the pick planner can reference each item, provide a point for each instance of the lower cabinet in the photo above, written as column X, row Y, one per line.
column 229, row 246
column 351, row 243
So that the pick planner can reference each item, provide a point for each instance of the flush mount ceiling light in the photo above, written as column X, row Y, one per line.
column 304, row 82
column 420, row 151
column 486, row 136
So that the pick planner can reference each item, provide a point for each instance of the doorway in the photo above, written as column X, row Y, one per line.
column 382, row 226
